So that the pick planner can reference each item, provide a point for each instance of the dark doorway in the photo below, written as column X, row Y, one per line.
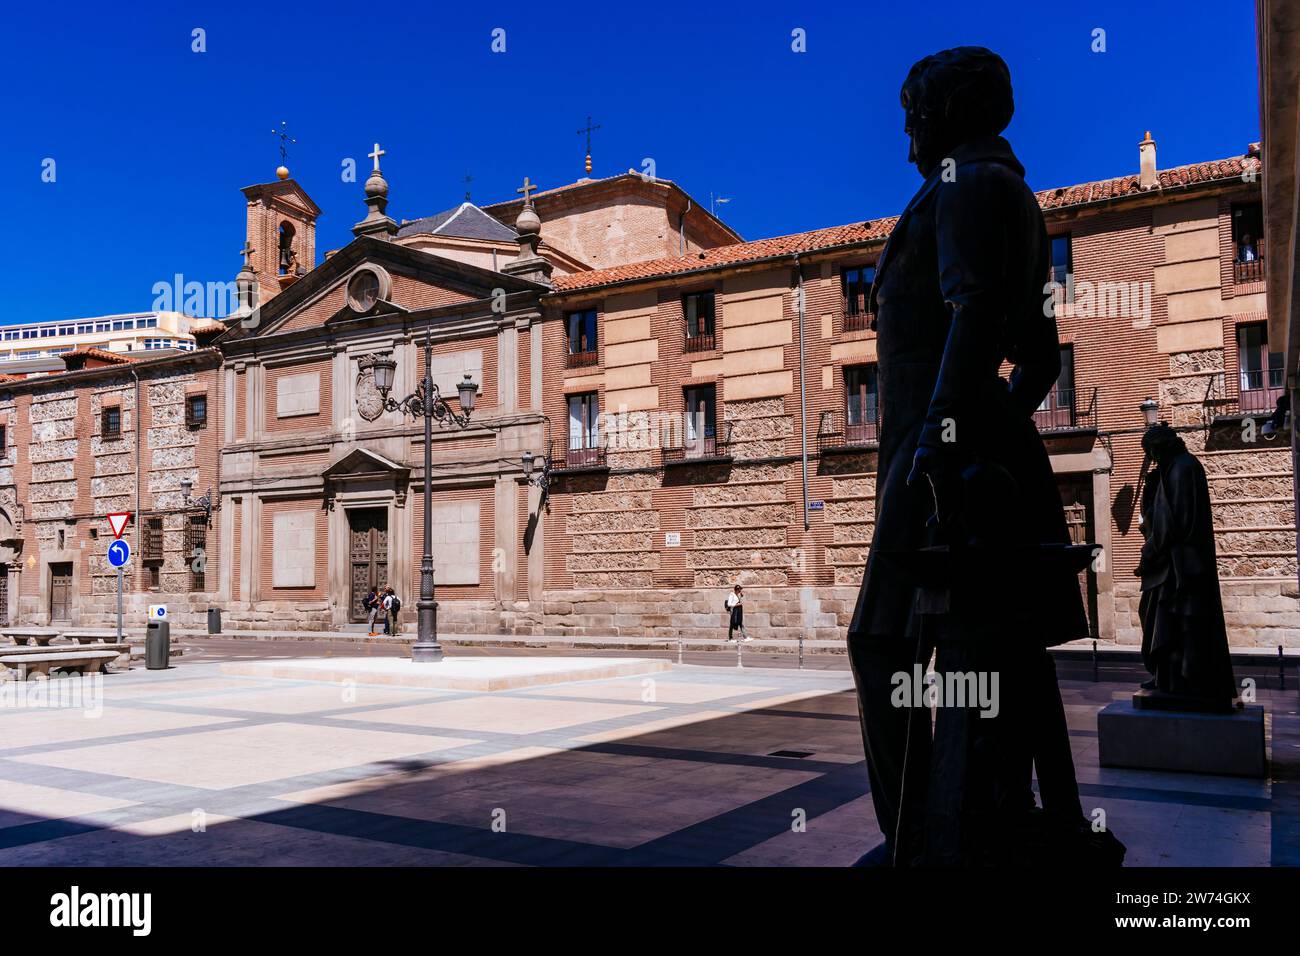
column 61, row 591
column 1076, row 496
column 368, row 542
column 4, row 596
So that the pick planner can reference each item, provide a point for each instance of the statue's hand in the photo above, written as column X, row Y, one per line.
column 931, row 469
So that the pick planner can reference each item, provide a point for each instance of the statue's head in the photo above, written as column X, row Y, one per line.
column 952, row 97
column 1161, row 442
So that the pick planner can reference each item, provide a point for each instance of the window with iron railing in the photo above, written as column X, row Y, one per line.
column 581, row 333
column 1248, row 242
column 584, row 446
column 153, row 540
column 698, row 313
column 1261, row 374
column 196, row 550
column 855, row 285
column 110, row 422
column 1057, row 409
column 702, row 436
column 860, row 415
column 196, row 410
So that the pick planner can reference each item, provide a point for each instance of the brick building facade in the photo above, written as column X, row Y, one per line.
column 108, row 435
column 706, row 408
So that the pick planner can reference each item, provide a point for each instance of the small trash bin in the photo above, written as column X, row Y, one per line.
column 157, row 645
column 214, row 620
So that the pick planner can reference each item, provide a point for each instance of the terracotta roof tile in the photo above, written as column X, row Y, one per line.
column 878, row 229
column 89, row 351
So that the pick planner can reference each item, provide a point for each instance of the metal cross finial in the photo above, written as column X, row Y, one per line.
column 247, row 253
column 376, row 154
column 526, row 188
column 589, row 129
column 283, row 133
column 467, row 179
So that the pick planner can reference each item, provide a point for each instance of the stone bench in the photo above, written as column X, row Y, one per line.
column 28, row 666
column 92, row 635
column 21, row 635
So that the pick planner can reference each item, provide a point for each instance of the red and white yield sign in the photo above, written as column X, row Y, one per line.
column 118, row 522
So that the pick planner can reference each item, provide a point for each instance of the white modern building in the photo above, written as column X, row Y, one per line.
column 131, row 332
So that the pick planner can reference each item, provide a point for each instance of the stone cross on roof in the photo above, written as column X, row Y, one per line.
column 247, row 253
column 526, row 189
column 376, row 154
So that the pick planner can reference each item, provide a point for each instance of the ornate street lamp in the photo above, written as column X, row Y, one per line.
column 1150, row 411
column 204, row 504
column 542, row 478
column 426, row 402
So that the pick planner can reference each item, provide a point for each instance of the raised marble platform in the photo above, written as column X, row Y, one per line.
column 452, row 673
column 1134, row 738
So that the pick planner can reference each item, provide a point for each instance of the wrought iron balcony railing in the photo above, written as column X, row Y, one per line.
column 701, row 448
column 853, row 436
column 1251, row 271
column 704, row 342
column 580, row 359
column 1256, row 393
column 1063, row 411
column 586, row 458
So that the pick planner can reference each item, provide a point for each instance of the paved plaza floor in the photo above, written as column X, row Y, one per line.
column 699, row 765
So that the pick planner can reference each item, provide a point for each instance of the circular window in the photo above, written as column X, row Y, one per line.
column 364, row 290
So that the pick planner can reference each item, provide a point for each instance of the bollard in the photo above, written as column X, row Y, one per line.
column 1281, row 668
column 679, row 649
column 157, row 645
column 1094, row 661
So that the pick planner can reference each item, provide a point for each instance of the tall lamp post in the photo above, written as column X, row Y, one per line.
column 426, row 401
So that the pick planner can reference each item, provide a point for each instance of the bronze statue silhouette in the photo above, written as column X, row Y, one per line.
column 1184, row 639
column 970, row 559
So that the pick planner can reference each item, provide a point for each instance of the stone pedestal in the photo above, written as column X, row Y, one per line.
column 1230, row 743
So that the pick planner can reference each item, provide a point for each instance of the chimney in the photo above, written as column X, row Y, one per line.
column 1147, row 177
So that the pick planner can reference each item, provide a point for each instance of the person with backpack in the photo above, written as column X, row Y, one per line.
column 370, row 603
column 736, row 611
column 392, row 607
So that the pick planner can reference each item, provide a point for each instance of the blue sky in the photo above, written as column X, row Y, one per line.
column 153, row 141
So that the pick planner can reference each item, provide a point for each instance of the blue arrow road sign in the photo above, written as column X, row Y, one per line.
column 119, row 552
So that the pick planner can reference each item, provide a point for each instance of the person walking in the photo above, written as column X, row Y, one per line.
column 370, row 603
column 736, row 608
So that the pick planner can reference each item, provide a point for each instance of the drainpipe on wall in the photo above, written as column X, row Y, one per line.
column 681, row 228
column 803, row 390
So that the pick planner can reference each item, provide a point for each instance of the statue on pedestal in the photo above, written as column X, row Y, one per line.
column 1184, row 640
column 970, row 559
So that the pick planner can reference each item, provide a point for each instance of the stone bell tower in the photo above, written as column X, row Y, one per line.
column 282, row 233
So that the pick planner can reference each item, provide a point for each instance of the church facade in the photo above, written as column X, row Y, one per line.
column 661, row 411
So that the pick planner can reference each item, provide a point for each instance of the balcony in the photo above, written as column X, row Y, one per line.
column 856, row 316
column 565, row 458
column 853, row 437
column 1063, row 412
column 1256, row 394
column 704, row 342
column 704, row 448
column 582, row 359
column 1252, row 271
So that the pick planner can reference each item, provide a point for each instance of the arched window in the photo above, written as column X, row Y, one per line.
column 288, row 259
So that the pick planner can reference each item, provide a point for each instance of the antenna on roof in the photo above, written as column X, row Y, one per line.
column 715, row 201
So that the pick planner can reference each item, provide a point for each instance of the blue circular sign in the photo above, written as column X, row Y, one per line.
column 119, row 552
